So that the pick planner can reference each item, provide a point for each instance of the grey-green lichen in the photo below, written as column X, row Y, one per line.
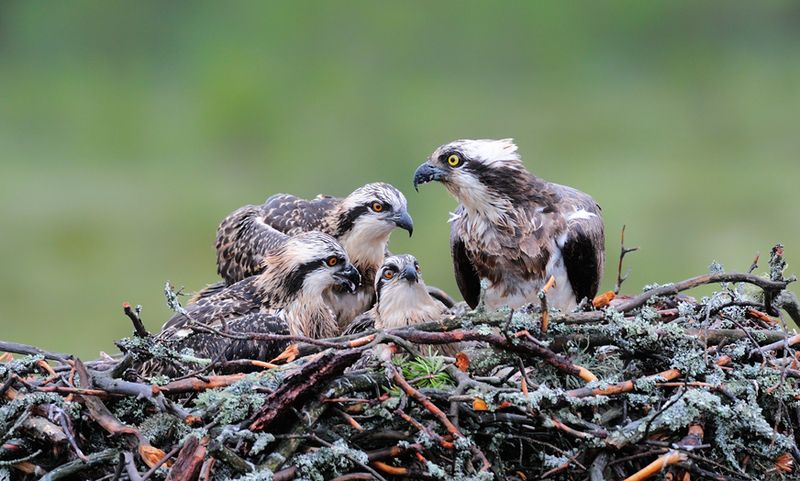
column 233, row 403
column 257, row 475
column 162, row 429
column 21, row 366
column 328, row 462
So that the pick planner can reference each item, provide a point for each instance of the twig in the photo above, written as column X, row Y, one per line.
column 78, row 465
column 138, row 326
column 623, row 251
column 401, row 382
column 598, row 467
column 543, row 300
column 694, row 437
column 18, row 348
column 130, row 467
column 306, row 379
column 161, row 462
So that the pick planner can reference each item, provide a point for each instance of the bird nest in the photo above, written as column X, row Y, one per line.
column 656, row 384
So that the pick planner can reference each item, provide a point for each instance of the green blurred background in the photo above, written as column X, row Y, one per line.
column 129, row 129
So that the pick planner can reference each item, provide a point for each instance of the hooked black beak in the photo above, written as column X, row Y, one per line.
column 410, row 274
column 403, row 221
column 348, row 277
column 426, row 173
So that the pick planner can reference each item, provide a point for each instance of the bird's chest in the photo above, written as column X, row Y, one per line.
column 515, row 260
column 516, row 289
column 348, row 306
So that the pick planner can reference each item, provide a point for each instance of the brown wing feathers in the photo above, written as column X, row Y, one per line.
column 242, row 240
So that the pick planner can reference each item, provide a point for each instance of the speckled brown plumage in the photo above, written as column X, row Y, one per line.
column 361, row 222
column 513, row 229
column 288, row 296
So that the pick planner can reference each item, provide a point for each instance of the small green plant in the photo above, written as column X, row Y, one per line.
column 425, row 371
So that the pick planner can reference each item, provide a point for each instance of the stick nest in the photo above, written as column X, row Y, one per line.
column 658, row 384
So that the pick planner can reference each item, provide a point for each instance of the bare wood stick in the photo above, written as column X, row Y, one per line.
column 18, row 348
column 783, row 343
column 598, row 467
column 130, row 466
column 189, row 461
column 138, row 325
column 308, row 378
column 161, row 462
column 623, row 251
column 694, row 438
column 195, row 384
column 74, row 467
column 543, row 299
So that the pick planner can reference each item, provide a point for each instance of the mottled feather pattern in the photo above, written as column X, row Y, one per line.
column 233, row 301
column 243, row 239
column 290, row 214
column 287, row 297
column 213, row 346
column 245, row 236
column 515, row 230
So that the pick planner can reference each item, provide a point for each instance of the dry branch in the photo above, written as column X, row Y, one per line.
column 605, row 395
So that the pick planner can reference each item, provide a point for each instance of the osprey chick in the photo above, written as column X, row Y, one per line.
column 362, row 222
column 515, row 230
column 402, row 298
column 289, row 296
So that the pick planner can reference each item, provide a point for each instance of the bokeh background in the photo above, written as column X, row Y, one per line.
column 129, row 129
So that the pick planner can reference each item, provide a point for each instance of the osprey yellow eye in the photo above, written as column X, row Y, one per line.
column 454, row 160
column 332, row 261
column 388, row 273
column 377, row 206
column 416, row 266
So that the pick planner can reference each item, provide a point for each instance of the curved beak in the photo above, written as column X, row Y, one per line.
column 404, row 221
column 426, row 173
column 348, row 277
column 410, row 274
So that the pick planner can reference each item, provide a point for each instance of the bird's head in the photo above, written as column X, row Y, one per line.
column 373, row 211
column 403, row 297
column 312, row 262
column 400, row 272
column 475, row 172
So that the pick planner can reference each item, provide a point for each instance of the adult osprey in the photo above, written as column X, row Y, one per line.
column 289, row 296
column 361, row 222
column 515, row 230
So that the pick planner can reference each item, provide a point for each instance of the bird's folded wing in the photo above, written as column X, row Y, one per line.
column 216, row 346
column 363, row 322
column 229, row 303
column 291, row 215
column 583, row 247
column 243, row 239
column 469, row 284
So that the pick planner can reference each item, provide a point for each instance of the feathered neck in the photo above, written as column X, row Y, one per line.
column 271, row 286
column 366, row 252
column 502, row 200
column 363, row 237
column 406, row 304
column 309, row 315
